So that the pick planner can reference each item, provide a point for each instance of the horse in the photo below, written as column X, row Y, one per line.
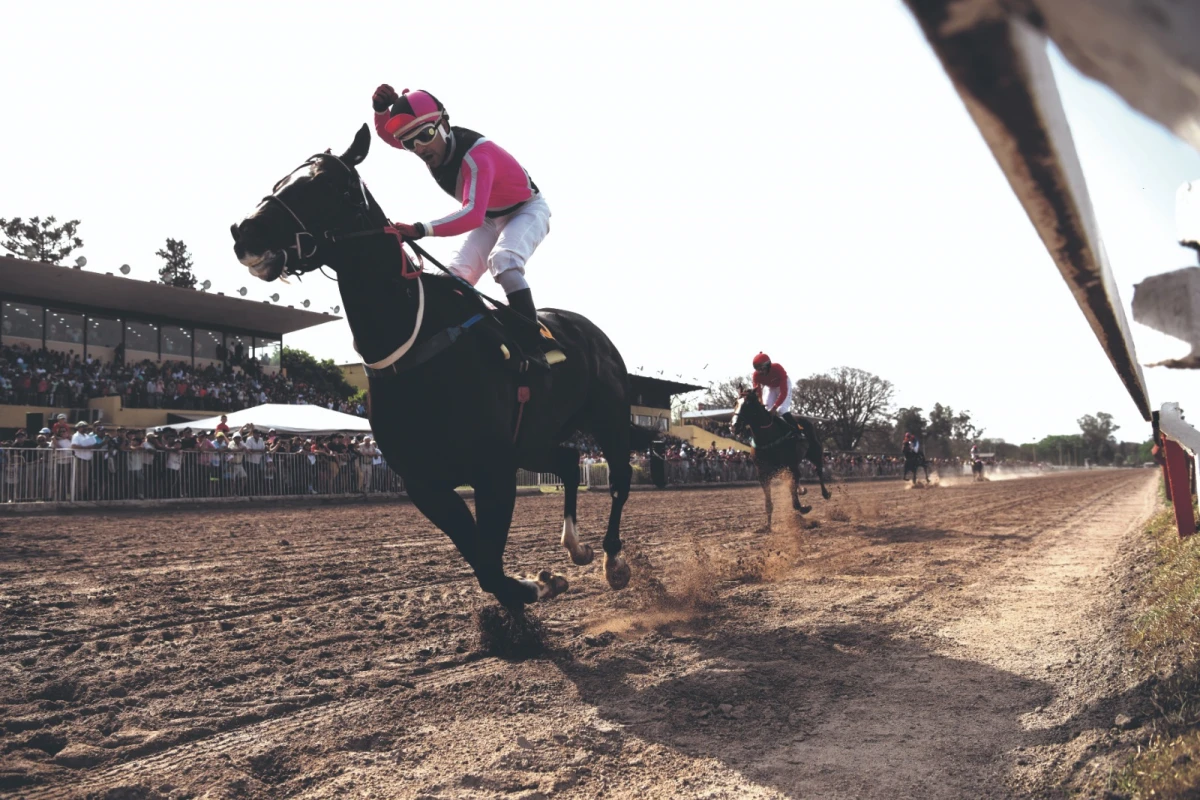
column 779, row 446
column 977, row 469
column 914, row 460
column 451, row 402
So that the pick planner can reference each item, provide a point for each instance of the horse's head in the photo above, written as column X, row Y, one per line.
column 748, row 412
column 289, row 228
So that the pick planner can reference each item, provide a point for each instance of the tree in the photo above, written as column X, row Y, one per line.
column 324, row 375
column 725, row 394
column 947, row 429
column 39, row 240
column 910, row 420
column 1060, row 448
column 177, row 271
column 852, row 399
column 1098, row 440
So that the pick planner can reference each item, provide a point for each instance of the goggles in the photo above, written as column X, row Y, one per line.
column 423, row 136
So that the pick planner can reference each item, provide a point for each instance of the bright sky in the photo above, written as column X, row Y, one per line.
column 722, row 181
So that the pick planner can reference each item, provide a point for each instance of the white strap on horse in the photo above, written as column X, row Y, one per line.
column 399, row 352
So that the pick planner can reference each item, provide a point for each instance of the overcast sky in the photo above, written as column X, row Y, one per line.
column 798, row 178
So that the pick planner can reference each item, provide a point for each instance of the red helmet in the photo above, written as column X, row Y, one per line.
column 762, row 360
column 908, row 437
column 413, row 110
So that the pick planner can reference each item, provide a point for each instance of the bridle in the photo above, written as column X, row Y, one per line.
column 307, row 243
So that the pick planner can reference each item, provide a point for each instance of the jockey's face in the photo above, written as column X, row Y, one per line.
column 433, row 153
column 761, row 369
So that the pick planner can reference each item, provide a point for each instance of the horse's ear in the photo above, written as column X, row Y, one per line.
column 358, row 150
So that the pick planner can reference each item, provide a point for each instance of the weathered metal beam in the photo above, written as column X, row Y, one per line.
column 1001, row 70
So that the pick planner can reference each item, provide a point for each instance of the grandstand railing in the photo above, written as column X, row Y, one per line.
column 62, row 476
column 48, row 476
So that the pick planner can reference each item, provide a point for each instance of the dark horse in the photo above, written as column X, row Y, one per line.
column 914, row 460
column 449, row 405
column 778, row 446
column 977, row 469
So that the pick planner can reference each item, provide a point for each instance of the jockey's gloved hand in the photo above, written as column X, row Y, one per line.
column 383, row 98
column 414, row 231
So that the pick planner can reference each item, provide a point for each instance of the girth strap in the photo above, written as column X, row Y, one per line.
column 440, row 341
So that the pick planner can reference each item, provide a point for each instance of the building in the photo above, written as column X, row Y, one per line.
column 98, row 315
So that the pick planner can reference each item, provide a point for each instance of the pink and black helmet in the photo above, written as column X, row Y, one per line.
column 412, row 111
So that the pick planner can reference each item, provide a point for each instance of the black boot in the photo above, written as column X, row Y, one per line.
column 795, row 423
column 521, row 301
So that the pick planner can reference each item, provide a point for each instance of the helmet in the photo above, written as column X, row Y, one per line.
column 762, row 360
column 413, row 110
column 908, row 437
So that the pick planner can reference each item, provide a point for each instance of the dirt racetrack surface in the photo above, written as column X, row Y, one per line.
column 895, row 643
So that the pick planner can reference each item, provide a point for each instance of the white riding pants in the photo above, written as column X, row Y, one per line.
column 773, row 395
column 503, row 245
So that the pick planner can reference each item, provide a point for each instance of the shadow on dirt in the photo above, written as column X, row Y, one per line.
column 834, row 711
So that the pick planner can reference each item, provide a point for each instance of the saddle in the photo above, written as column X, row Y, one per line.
column 524, row 344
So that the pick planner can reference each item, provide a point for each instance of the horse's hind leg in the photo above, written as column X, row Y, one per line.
column 566, row 467
column 765, row 481
column 483, row 551
column 616, row 446
column 816, row 457
column 795, row 485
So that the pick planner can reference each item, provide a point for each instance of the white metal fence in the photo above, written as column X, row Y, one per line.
column 47, row 475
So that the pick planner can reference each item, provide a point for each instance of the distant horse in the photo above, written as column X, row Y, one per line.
column 449, row 404
column 913, row 460
column 779, row 446
column 977, row 469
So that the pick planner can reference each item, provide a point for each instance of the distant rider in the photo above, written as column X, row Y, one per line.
column 774, row 378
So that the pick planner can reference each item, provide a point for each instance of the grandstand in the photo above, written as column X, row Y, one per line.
column 107, row 318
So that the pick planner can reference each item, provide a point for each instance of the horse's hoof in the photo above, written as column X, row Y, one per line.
column 804, row 509
column 826, row 494
column 763, row 529
column 546, row 585
column 583, row 556
column 616, row 571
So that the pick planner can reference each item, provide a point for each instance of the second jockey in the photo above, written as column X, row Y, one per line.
column 503, row 213
column 774, row 378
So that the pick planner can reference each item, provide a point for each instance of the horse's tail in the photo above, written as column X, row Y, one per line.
column 647, row 439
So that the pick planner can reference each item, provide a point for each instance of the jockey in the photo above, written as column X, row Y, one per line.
column 774, row 378
column 503, row 214
column 974, row 452
column 911, row 442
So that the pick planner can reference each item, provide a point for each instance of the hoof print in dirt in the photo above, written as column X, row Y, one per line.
column 507, row 635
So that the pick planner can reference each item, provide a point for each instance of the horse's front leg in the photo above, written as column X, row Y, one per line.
column 495, row 499
column 478, row 544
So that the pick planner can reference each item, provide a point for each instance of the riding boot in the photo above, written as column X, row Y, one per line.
column 521, row 301
column 795, row 423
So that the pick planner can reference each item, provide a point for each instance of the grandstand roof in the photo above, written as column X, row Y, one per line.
column 671, row 387
column 47, row 284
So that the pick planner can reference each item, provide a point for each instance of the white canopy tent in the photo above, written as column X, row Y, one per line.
column 301, row 419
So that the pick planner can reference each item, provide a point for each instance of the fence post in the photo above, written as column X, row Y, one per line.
column 1179, row 483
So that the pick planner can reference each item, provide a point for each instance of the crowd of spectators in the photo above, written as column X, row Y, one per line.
column 67, row 380
column 86, row 462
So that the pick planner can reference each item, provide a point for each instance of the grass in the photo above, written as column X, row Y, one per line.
column 1167, row 635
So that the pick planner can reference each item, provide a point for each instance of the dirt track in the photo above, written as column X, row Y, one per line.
column 910, row 643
